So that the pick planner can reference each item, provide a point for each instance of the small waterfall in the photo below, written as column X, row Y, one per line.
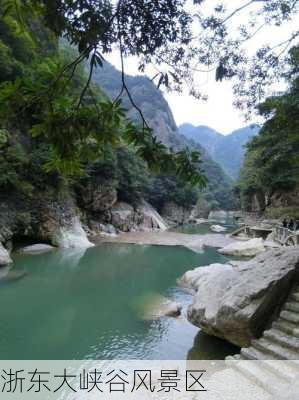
column 156, row 217
column 74, row 236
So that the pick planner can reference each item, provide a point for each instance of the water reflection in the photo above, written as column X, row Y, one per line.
column 206, row 347
column 76, row 305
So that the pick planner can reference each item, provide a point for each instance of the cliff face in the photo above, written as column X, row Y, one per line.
column 160, row 118
column 279, row 204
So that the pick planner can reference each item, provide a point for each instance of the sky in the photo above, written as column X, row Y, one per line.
column 218, row 111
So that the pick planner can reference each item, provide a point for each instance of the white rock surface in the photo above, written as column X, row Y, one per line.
column 38, row 248
column 218, row 228
column 4, row 256
column 237, row 302
column 150, row 212
column 73, row 236
column 249, row 248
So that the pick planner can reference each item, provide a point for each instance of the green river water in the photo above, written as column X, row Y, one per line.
column 78, row 304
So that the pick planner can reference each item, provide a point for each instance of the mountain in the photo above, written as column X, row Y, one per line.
column 160, row 118
column 221, row 147
column 146, row 96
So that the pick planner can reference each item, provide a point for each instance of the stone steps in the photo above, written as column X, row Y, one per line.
column 260, row 376
column 287, row 371
column 292, row 306
column 249, row 353
column 286, row 327
column 288, row 341
column 262, row 364
column 274, row 350
column 295, row 296
column 290, row 316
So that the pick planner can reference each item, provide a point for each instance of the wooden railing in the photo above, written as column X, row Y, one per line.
column 286, row 236
column 282, row 235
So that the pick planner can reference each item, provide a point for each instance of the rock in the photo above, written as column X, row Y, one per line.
column 98, row 197
column 175, row 214
column 271, row 244
column 157, row 306
column 122, row 216
column 11, row 276
column 38, row 248
column 151, row 218
column 4, row 256
column 219, row 215
column 190, row 280
column 218, row 228
column 143, row 218
column 248, row 248
column 223, row 216
column 236, row 303
column 72, row 236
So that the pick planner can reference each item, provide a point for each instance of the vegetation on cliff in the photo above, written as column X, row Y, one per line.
column 52, row 135
column 271, row 162
column 57, row 122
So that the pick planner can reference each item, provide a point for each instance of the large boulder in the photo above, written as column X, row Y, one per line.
column 72, row 236
column 4, row 256
column 38, row 248
column 218, row 228
column 142, row 218
column 123, row 216
column 175, row 214
column 151, row 219
column 238, row 302
column 249, row 248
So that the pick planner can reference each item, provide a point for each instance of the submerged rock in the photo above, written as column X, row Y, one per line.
column 157, row 306
column 248, row 248
column 38, row 248
column 4, row 256
column 218, row 228
column 236, row 303
column 8, row 274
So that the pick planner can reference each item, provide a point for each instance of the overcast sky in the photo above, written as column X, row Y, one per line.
column 218, row 111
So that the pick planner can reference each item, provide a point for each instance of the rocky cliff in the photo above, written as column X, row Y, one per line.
column 160, row 118
column 279, row 204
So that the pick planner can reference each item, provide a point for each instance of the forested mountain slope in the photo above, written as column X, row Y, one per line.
column 160, row 118
column 227, row 150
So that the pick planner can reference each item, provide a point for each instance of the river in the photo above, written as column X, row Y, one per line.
column 79, row 304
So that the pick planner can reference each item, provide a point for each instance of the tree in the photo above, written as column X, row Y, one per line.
column 179, row 42
column 56, row 100
column 272, row 161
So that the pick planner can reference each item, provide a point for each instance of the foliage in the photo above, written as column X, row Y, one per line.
column 282, row 212
column 13, row 161
column 272, row 161
column 179, row 39
column 132, row 175
column 60, row 103
column 163, row 189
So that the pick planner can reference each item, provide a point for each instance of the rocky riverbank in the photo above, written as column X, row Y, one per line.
column 238, row 301
column 167, row 238
column 66, row 220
